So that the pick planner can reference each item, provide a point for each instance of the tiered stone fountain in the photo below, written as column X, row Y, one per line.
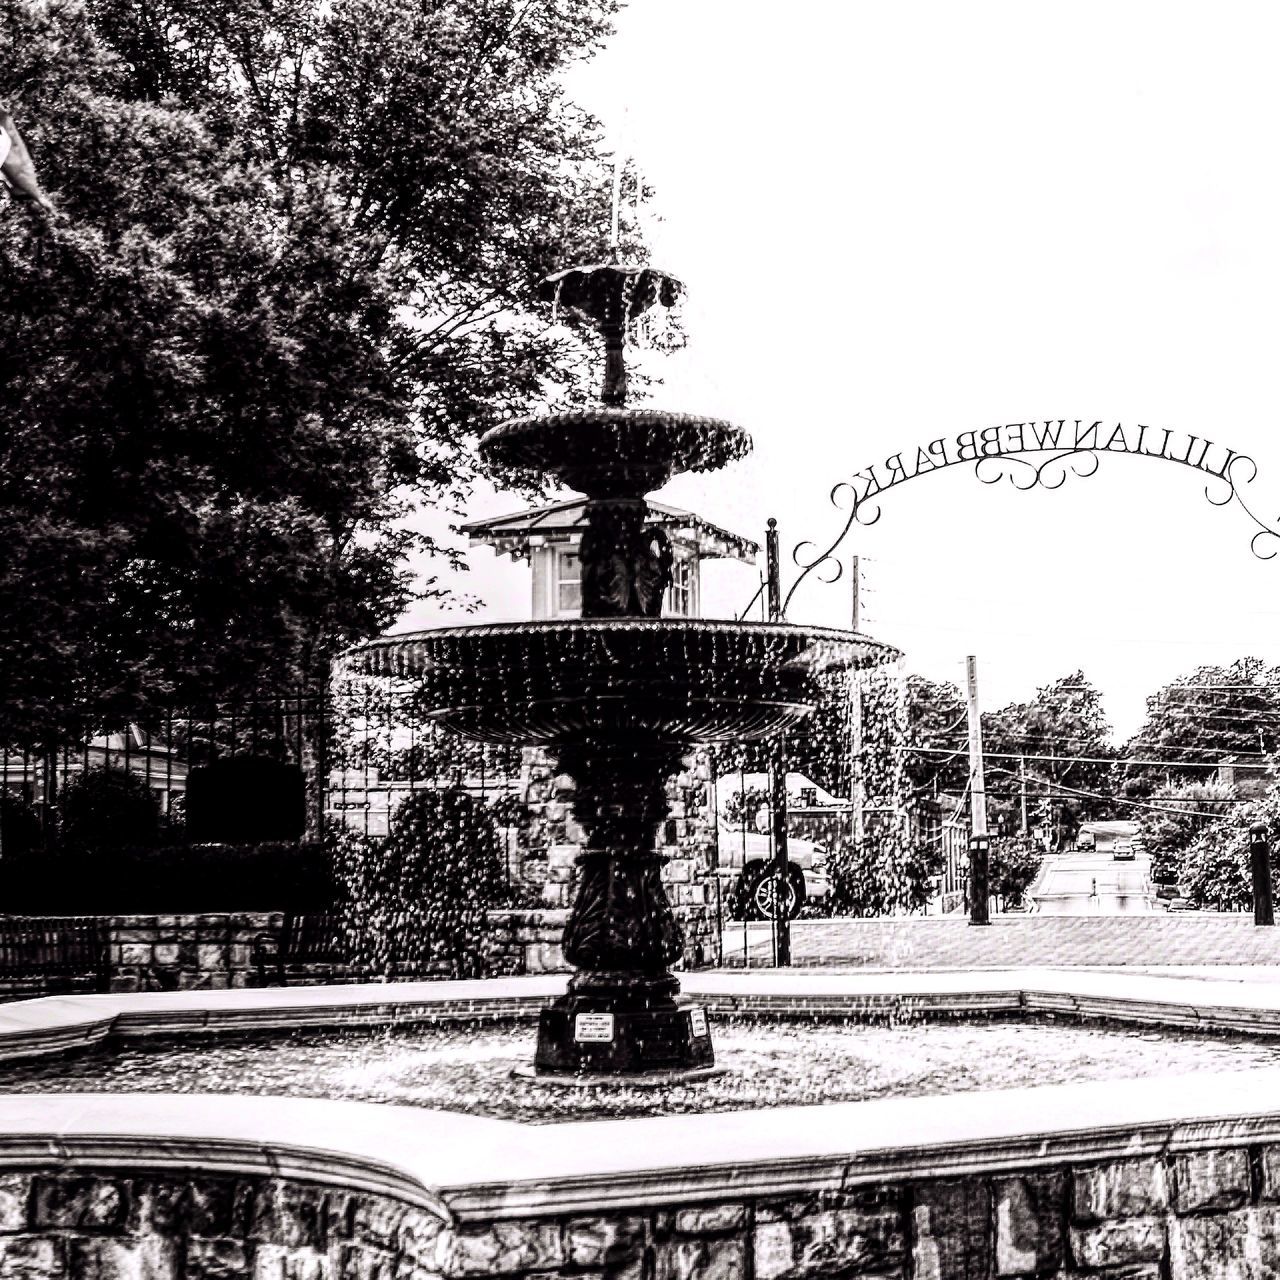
column 621, row 695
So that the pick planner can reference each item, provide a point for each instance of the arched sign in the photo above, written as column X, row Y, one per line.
column 1041, row 453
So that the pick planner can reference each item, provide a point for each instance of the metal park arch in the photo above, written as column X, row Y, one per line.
column 1030, row 454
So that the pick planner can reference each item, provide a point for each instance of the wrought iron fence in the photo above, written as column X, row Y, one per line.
column 359, row 748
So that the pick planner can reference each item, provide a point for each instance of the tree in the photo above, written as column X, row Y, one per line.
column 1181, row 814
column 1209, row 715
column 291, row 280
column 1216, row 866
column 1014, row 864
column 937, row 755
column 1061, row 736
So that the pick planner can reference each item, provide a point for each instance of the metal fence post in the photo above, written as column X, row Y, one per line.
column 778, row 772
column 1260, row 863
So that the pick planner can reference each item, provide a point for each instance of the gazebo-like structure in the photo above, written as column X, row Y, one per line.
column 550, row 539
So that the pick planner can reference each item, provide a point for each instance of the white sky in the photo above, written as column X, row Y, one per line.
column 905, row 220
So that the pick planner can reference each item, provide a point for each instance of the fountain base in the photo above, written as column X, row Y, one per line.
column 649, row 1080
column 622, row 1026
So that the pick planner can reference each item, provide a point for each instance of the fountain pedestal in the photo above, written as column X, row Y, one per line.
column 620, row 696
column 621, row 1015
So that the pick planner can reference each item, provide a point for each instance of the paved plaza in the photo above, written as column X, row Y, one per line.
column 1197, row 938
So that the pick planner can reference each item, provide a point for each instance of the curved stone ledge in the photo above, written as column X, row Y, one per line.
column 465, row 1168
column 490, row 1169
column 1176, row 1178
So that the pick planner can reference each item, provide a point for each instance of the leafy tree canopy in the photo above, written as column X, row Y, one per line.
column 1179, row 814
column 289, row 281
column 1216, row 867
column 937, row 755
column 1058, row 741
column 1213, row 713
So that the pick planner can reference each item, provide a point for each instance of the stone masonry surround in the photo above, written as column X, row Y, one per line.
column 1146, row 1179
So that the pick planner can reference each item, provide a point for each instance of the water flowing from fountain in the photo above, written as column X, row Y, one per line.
column 621, row 695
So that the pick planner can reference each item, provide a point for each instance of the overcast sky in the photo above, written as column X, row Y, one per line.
column 904, row 220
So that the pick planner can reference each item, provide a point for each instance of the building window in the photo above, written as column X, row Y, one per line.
column 680, row 593
column 568, row 585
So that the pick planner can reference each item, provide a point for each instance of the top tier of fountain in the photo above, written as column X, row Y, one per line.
column 620, row 673
column 611, row 452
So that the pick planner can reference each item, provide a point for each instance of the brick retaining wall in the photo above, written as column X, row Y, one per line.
column 1192, row 1216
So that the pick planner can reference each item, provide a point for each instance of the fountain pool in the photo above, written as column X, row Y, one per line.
column 472, row 1067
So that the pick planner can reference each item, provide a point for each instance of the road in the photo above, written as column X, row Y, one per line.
column 1080, row 883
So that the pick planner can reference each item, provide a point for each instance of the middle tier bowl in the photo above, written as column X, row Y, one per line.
column 684, row 679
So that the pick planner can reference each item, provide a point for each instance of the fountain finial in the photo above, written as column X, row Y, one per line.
column 611, row 296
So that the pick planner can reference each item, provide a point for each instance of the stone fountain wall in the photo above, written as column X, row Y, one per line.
column 1195, row 1215
column 139, row 1225
column 550, row 841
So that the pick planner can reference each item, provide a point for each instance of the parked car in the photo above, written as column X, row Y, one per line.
column 746, row 869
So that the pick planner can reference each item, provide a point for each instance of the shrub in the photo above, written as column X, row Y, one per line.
column 246, row 800
column 1012, row 868
column 19, row 827
column 416, row 900
column 107, row 808
column 169, row 879
column 508, row 810
column 887, row 874
column 741, row 807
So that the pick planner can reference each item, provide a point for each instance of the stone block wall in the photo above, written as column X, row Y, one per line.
column 526, row 941
column 185, row 952
column 1201, row 1215
column 193, row 1226
column 1196, row 1215
column 550, row 841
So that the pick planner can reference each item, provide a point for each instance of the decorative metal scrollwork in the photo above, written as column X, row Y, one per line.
column 1034, row 455
column 1050, row 473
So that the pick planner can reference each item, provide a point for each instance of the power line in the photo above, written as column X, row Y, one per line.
column 1140, row 804
column 1065, row 760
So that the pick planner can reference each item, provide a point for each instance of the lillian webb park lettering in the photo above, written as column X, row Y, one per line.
column 1061, row 437
column 1071, row 446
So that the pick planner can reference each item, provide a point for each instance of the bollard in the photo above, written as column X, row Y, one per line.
column 1260, row 862
column 979, row 880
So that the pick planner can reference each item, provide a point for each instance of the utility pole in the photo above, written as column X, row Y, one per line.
column 857, row 787
column 1022, row 777
column 979, row 841
column 778, row 779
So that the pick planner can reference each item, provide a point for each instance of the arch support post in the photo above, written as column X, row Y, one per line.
column 1260, row 865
